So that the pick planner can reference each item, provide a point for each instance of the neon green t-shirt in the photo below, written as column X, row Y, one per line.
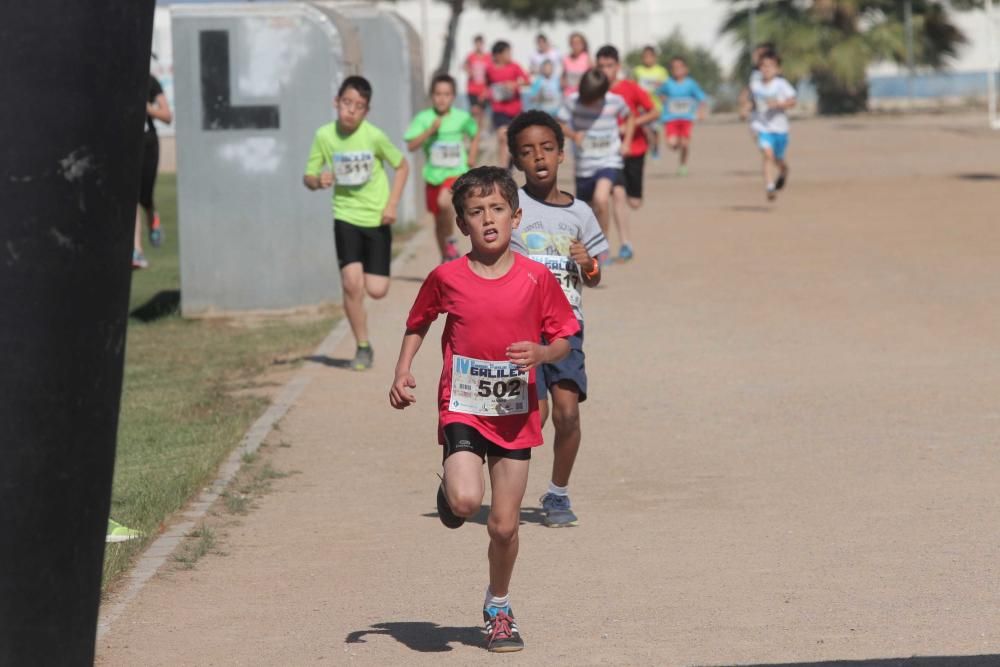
column 651, row 78
column 444, row 150
column 361, row 187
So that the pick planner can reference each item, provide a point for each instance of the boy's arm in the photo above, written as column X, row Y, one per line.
column 398, row 183
column 315, row 178
column 528, row 355
column 629, row 132
column 474, row 148
column 400, row 395
column 418, row 141
column 590, row 267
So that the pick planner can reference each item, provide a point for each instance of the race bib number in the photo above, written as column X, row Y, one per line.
column 573, row 79
column 680, row 107
column 650, row 84
column 762, row 104
column 447, row 154
column 488, row 388
column 566, row 272
column 501, row 93
column 600, row 145
column 353, row 168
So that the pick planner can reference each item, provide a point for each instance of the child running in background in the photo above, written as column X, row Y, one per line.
column 562, row 233
column 772, row 96
column 499, row 305
column 683, row 99
column 442, row 132
column 505, row 79
column 475, row 67
column 650, row 75
column 546, row 91
column 576, row 64
column 363, row 206
column 745, row 99
column 590, row 118
column 628, row 194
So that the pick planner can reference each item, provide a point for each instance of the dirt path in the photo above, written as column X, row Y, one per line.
column 790, row 452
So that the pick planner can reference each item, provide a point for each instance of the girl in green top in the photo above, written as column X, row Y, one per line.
column 348, row 155
column 442, row 132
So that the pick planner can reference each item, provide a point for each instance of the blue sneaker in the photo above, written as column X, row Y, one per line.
column 556, row 512
column 502, row 635
column 625, row 254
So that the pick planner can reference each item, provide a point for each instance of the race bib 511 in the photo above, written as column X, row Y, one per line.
column 488, row 388
column 353, row 168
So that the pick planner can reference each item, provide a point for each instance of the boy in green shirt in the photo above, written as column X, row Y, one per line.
column 651, row 75
column 441, row 131
column 363, row 206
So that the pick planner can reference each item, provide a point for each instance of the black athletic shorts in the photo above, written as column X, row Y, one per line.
column 147, row 173
column 632, row 174
column 465, row 438
column 372, row 246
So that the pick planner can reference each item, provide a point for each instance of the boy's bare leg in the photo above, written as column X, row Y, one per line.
column 685, row 143
column 463, row 483
column 503, row 155
column 352, row 280
column 600, row 203
column 508, row 480
column 444, row 221
column 621, row 208
column 566, row 420
column 137, row 239
column 376, row 286
column 770, row 168
column 543, row 410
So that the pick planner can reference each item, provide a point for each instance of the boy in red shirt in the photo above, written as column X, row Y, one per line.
column 475, row 66
column 628, row 194
column 498, row 304
column 505, row 79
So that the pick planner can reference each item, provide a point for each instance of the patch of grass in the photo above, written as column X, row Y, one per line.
column 180, row 413
column 200, row 541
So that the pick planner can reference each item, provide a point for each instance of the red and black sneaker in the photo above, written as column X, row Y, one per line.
column 502, row 635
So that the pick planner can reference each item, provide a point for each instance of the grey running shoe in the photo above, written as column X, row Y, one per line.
column 363, row 358
column 556, row 512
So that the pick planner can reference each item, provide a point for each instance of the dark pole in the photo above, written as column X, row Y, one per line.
column 74, row 78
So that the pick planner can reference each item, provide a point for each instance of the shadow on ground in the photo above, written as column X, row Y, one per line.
column 916, row 661
column 163, row 304
column 528, row 515
column 978, row 176
column 422, row 636
column 329, row 361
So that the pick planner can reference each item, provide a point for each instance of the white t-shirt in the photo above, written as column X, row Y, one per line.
column 552, row 55
column 765, row 119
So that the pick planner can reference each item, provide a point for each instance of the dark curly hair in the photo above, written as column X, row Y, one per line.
column 530, row 119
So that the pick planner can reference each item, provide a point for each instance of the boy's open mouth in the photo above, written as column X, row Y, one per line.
column 490, row 234
column 542, row 172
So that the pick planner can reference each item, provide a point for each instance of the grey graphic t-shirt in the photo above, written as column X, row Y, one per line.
column 545, row 234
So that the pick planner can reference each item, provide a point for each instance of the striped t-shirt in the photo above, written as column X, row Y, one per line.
column 602, row 142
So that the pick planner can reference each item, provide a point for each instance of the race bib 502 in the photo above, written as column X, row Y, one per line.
column 487, row 388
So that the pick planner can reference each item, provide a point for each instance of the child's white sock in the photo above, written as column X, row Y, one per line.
column 770, row 187
column 494, row 601
column 558, row 490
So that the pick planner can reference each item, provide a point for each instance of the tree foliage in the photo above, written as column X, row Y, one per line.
column 833, row 42
column 705, row 69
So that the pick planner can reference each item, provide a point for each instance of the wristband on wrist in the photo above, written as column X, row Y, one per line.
column 593, row 273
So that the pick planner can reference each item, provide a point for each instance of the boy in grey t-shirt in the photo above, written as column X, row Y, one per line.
column 562, row 233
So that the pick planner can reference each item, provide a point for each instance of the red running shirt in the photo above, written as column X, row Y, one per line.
column 477, row 64
column 484, row 317
column 502, row 99
column 639, row 102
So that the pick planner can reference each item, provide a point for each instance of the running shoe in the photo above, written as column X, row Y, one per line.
column 502, row 635
column 772, row 194
column 556, row 512
column 139, row 260
column 625, row 254
column 120, row 533
column 780, row 183
column 448, row 518
column 363, row 358
column 450, row 251
column 655, row 151
column 155, row 231
column 682, row 170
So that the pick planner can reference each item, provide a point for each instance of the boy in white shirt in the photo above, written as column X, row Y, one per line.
column 772, row 96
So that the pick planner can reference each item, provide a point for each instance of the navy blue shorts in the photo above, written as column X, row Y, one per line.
column 501, row 119
column 585, row 186
column 571, row 368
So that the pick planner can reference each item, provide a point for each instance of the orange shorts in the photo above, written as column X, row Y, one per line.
column 434, row 191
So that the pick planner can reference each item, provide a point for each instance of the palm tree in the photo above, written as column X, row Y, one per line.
column 832, row 42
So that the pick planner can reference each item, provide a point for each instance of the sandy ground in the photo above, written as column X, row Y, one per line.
column 790, row 451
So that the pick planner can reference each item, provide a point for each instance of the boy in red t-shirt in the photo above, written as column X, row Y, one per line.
column 628, row 194
column 498, row 304
column 505, row 79
column 475, row 66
